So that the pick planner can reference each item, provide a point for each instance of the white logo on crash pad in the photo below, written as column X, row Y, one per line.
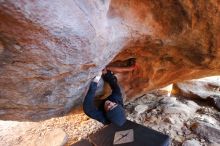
column 125, row 136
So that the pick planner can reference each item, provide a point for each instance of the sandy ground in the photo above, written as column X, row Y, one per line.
column 76, row 125
column 169, row 115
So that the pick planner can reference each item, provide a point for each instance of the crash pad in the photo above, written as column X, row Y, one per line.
column 130, row 134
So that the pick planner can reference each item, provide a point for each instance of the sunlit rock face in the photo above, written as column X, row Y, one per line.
column 204, row 88
column 49, row 52
column 207, row 89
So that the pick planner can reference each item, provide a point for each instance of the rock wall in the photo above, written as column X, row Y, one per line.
column 183, row 42
column 49, row 52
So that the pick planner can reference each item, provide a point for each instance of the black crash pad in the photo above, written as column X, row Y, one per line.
column 83, row 142
column 130, row 134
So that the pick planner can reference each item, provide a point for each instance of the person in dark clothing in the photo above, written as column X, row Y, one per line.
column 111, row 109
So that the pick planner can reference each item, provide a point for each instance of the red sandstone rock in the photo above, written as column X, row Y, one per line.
column 50, row 51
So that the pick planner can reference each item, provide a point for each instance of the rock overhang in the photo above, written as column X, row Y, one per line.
column 51, row 51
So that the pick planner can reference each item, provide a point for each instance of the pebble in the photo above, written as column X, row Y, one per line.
column 191, row 142
column 141, row 108
column 154, row 112
column 169, row 120
column 148, row 115
column 153, row 119
column 185, row 130
column 180, row 133
column 178, row 138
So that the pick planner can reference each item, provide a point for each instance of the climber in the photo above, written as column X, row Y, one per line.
column 111, row 109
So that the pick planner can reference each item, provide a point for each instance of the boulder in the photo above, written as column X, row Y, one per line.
column 56, row 137
column 173, row 106
column 49, row 52
column 205, row 88
column 217, row 102
column 207, row 131
column 141, row 108
column 191, row 142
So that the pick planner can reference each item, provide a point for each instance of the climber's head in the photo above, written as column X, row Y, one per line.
column 109, row 105
column 115, row 113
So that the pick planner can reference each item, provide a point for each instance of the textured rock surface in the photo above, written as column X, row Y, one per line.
column 175, row 116
column 208, row 131
column 178, row 47
column 56, row 137
column 207, row 89
column 191, row 142
column 204, row 88
column 50, row 51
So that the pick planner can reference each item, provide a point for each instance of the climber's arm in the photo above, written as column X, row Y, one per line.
column 121, row 69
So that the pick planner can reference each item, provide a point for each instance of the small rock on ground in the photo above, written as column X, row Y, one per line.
column 191, row 142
